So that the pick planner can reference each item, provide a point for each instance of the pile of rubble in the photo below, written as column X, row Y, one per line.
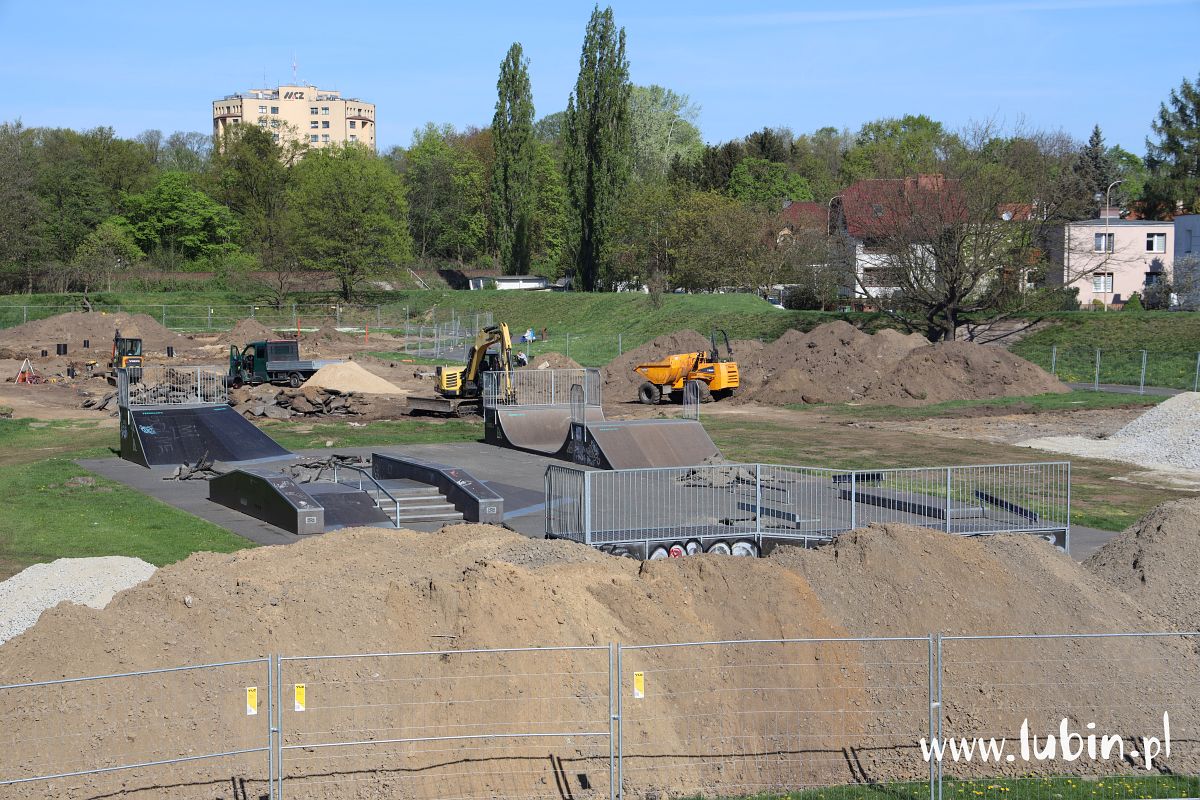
column 275, row 402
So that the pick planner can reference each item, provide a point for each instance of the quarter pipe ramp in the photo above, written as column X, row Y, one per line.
column 171, row 435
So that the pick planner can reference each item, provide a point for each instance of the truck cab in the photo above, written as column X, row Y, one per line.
column 272, row 361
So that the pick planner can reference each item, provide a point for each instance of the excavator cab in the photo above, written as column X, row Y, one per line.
column 465, row 381
column 126, row 355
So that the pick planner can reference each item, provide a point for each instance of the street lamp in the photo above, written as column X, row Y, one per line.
column 1107, row 215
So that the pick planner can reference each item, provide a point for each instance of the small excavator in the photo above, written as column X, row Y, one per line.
column 127, row 355
column 713, row 376
column 460, row 388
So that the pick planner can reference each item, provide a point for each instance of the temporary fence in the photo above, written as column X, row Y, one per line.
column 827, row 717
column 540, row 387
column 160, row 384
column 1100, row 367
column 732, row 503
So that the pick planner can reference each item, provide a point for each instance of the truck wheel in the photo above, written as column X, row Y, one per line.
column 693, row 547
column 744, row 548
column 649, row 394
column 294, row 380
column 659, row 553
column 702, row 391
column 719, row 549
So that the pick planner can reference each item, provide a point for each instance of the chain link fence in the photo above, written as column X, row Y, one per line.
column 826, row 718
column 1099, row 367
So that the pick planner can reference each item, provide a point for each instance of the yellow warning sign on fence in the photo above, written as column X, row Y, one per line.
column 251, row 701
column 639, row 685
column 299, row 696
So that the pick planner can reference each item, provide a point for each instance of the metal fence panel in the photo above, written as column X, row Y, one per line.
column 161, row 384
column 513, row 723
column 121, row 733
column 565, row 503
column 1087, row 685
column 540, row 387
column 756, row 718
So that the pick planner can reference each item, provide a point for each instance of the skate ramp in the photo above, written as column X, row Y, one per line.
column 166, row 436
column 646, row 443
column 541, row 430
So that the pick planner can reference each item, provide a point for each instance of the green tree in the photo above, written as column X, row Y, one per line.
column 770, row 144
column 549, row 223
column 663, row 129
column 446, row 196
column 106, row 251
column 641, row 249
column 176, row 222
column 348, row 213
column 757, row 181
column 515, row 156
column 717, row 163
column 73, row 198
column 598, row 144
column 715, row 241
column 895, row 148
column 1174, row 158
column 1095, row 172
column 20, row 213
column 817, row 157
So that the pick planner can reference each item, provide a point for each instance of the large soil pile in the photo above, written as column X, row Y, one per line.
column 97, row 327
column 837, row 363
column 714, row 719
column 247, row 331
column 1156, row 562
column 350, row 377
column 552, row 360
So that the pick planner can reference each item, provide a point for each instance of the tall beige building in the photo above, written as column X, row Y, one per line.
column 319, row 117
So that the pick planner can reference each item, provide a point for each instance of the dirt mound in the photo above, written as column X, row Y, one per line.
column 246, row 331
column 552, row 361
column 98, row 328
column 376, row 591
column 350, row 377
column 961, row 371
column 621, row 382
column 1155, row 561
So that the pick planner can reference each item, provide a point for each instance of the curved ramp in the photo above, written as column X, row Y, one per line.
column 647, row 443
column 539, row 429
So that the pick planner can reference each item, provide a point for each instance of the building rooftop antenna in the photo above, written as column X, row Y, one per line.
column 295, row 67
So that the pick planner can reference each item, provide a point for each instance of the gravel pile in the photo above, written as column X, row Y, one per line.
column 83, row 581
column 1165, row 437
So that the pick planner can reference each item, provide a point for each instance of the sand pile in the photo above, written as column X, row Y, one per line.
column 247, row 331
column 89, row 581
column 75, row 326
column 350, row 377
column 552, row 361
column 1165, row 437
column 1156, row 560
column 476, row 586
column 837, row 363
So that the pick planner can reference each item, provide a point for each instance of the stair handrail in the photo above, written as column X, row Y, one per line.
column 362, row 471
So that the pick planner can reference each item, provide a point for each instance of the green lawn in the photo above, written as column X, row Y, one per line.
column 1073, row 401
column 1127, row 787
column 1069, row 342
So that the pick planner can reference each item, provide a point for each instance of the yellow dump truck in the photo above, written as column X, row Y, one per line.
column 713, row 376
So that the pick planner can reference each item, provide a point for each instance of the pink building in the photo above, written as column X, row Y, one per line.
column 1110, row 259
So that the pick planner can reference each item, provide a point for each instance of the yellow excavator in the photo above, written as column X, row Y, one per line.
column 460, row 388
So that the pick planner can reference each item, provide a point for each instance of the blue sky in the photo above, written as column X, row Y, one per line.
column 1053, row 64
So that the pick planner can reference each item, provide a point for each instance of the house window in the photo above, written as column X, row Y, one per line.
column 312, row 138
column 877, row 210
column 353, row 138
column 324, row 123
column 324, row 109
column 274, row 109
column 312, row 110
column 1153, row 278
column 324, row 137
column 1102, row 283
column 353, row 124
column 1098, row 245
column 262, row 109
column 312, row 124
column 1156, row 243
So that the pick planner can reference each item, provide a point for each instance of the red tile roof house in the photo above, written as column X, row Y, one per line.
column 876, row 216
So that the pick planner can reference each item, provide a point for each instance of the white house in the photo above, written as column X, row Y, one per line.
column 529, row 282
column 1109, row 259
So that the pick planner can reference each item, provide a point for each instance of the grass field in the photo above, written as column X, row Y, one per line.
column 1073, row 401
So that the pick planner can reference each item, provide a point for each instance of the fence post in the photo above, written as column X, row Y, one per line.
column 614, row 719
column 271, row 700
column 587, row 507
column 853, row 501
column 25, row 316
column 294, row 322
column 164, row 316
column 620, row 726
column 1054, row 360
column 933, row 704
column 1096, row 380
column 1196, row 380
column 940, row 770
column 337, row 315
column 620, row 348
column 757, row 495
column 1142, row 384
column 279, row 730
column 567, row 350
column 949, row 485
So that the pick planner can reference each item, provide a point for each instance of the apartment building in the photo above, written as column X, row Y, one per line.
column 1108, row 259
column 319, row 117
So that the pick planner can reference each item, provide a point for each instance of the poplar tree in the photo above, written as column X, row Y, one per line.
column 598, row 146
column 513, row 190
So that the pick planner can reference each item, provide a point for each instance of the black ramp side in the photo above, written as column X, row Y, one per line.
column 346, row 507
column 186, row 434
column 542, row 430
column 652, row 443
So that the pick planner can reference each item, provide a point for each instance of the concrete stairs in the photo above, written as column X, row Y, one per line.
column 417, row 504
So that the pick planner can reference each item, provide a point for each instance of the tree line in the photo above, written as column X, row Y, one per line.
column 617, row 190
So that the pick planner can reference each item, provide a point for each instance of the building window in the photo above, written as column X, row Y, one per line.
column 1098, row 245
column 275, row 136
column 324, row 137
column 312, row 138
column 1153, row 278
column 274, row 109
column 877, row 210
column 324, row 123
column 353, row 138
column 262, row 109
column 1156, row 243
column 324, row 109
column 312, row 124
column 352, row 124
column 313, row 110
column 1102, row 283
